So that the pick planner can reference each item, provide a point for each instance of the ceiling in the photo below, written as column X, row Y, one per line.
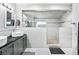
column 55, row 14
column 46, row 11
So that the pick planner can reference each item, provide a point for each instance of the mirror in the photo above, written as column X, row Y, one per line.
column 9, row 21
column 31, row 18
column 28, row 20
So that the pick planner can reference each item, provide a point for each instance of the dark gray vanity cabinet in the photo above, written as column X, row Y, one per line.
column 15, row 47
column 8, row 50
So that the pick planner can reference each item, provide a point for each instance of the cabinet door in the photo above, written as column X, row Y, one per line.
column 24, row 43
column 20, row 46
column 16, row 48
column 8, row 50
column 0, row 52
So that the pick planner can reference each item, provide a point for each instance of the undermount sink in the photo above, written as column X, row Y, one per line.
column 17, row 33
column 3, row 40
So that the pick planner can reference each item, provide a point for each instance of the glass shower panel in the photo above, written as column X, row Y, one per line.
column 65, row 37
column 53, row 35
column 59, row 36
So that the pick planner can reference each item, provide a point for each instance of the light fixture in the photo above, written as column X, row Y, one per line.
column 6, row 6
column 41, row 23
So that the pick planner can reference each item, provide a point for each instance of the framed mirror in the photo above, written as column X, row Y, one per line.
column 9, row 21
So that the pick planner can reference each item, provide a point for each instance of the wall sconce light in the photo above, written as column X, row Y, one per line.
column 6, row 6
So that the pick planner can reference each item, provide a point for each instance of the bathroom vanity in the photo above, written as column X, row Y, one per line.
column 14, row 45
